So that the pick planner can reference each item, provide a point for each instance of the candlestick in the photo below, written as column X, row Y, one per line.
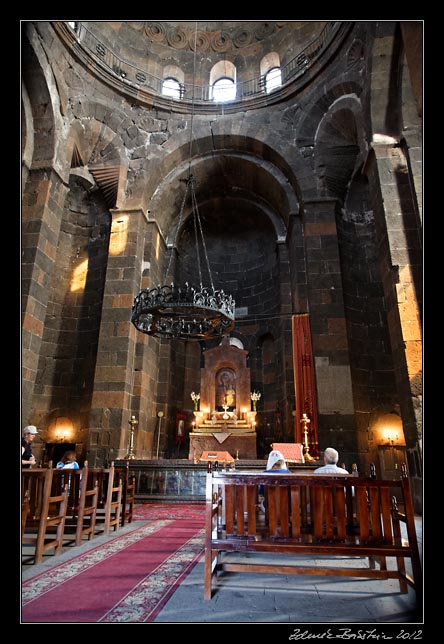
column 133, row 424
column 305, row 421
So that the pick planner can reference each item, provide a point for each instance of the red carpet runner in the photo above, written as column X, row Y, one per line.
column 128, row 579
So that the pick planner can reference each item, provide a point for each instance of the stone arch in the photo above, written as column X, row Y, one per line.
column 210, row 141
column 339, row 147
column 222, row 69
column 173, row 71
column 27, row 135
column 266, row 181
column 323, row 100
column 270, row 60
column 169, row 195
column 41, row 100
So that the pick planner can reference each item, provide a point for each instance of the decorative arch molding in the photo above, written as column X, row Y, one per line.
column 216, row 40
column 92, row 144
column 75, row 145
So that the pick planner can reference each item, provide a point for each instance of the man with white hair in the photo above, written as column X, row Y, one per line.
column 29, row 434
column 331, row 457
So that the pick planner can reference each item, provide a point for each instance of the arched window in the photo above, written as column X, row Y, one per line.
column 171, row 87
column 223, row 81
column 224, row 89
column 270, row 68
column 273, row 79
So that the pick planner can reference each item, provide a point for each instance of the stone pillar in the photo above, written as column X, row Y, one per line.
column 327, row 317
column 286, row 310
column 111, row 406
column 400, row 258
column 43, row 202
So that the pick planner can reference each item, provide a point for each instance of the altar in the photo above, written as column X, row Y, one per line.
column 224, row 419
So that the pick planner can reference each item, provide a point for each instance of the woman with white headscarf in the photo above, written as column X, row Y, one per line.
column 276, row 462
column 275, row 465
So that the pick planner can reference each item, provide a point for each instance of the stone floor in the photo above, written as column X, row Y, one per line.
column 339, row 607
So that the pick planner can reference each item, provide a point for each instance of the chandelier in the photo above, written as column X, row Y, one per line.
column 185, row 312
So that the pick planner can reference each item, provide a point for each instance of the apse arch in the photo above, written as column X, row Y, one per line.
column 231, row 177
column 210, row 141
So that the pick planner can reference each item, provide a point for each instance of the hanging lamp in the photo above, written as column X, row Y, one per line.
column 186, row 312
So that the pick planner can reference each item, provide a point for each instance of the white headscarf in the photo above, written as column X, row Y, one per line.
column 274, row 457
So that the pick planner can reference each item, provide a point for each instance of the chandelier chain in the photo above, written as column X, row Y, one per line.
column 183, row 311
column 178, row 229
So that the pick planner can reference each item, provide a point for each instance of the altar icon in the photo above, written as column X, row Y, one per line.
column 226, row 389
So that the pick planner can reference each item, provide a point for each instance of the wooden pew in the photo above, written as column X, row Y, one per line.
column 46, row 512
column 82, row 501
column 25, row 510
column 306, row 514
column 109, row 500
column 128, row 493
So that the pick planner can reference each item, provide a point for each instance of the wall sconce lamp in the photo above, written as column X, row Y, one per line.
column 392, row 437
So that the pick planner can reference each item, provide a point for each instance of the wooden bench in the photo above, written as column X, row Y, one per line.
column 82, row 501
column 43, row 512
column 109, row 502
column 128, row 493
column 307, row 514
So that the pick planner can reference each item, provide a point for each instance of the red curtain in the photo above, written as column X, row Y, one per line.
column 304, row 382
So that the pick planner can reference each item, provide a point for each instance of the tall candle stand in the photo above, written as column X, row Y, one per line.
column 305, row 421
column 159, row 416
column 133, row 424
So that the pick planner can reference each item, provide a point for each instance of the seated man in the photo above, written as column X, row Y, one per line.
column 331, row 457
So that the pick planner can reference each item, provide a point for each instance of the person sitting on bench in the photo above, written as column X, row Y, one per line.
column 277, row 465
column 331, row 457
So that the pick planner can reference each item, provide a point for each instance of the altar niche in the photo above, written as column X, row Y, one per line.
column 226, row 390
column 225, row 414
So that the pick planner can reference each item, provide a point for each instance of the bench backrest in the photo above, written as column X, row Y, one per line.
column 110, row 485
column 335, row 508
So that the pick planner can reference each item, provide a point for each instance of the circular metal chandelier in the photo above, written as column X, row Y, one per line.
column 185, row 312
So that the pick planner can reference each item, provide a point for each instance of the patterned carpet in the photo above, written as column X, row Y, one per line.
column 147, row 511
column 128, row 579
